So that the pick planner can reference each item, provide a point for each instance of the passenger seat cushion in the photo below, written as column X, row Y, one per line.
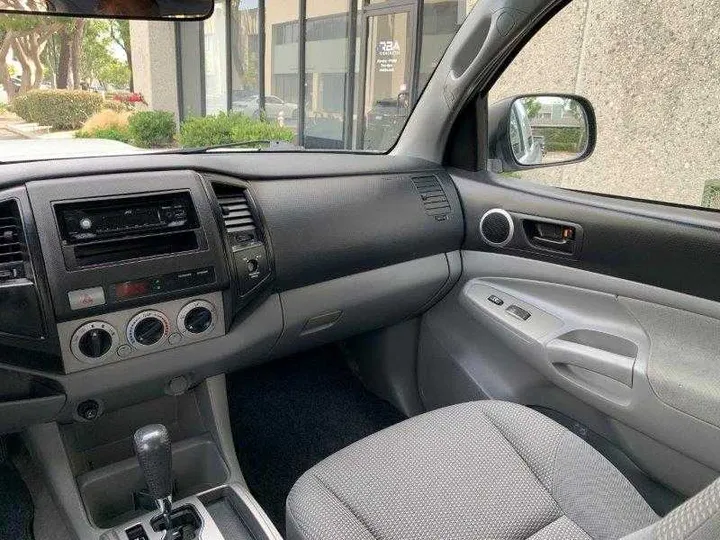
column 697, row 519
column 471, row 471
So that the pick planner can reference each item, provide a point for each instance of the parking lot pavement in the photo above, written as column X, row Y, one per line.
column 20, row 149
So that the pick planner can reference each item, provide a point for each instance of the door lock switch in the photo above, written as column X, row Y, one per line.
column 518, row 312
column 496, row 300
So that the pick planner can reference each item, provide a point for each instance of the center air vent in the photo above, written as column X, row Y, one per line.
column 433, row 196
column 11, row 242
column 237, row 216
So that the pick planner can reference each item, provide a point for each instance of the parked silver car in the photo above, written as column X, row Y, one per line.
column 274, row 107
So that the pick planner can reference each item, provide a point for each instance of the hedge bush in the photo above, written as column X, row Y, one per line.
column 225, row 128
column 115, row 133
column 152, row 129
column 61, row 109
column 561, row 139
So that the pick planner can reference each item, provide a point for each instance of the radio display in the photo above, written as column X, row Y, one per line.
column 108, row 219
column 132, row 289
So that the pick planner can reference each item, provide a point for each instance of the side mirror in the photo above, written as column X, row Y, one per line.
column 540, row 130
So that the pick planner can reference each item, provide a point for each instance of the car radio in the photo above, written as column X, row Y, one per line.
column 96, row 220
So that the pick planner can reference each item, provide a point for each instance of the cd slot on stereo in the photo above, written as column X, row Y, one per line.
column 95, row 220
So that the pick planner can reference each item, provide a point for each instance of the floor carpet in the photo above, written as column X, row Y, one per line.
column 290, row 414
column 16, row 506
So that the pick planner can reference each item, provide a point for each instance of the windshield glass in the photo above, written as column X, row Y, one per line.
column 346, row 77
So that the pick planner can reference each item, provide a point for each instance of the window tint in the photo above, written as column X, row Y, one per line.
column 652, row 75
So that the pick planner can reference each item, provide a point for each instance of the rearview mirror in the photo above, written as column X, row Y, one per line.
column 540, row 130
column 117, row 9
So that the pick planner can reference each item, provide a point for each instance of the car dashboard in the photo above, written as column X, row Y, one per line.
column 121, row 281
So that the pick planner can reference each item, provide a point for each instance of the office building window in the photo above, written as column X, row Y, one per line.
column 245, row 59
column 285, row 86
column 325, row 73
column 215, row 43
column 286, row 33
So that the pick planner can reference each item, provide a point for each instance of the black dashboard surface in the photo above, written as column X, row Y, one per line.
column 248, row 165
column 324, row 228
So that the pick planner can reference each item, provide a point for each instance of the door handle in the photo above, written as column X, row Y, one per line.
column 550, row 243
column 612, row 365
column 550, row 235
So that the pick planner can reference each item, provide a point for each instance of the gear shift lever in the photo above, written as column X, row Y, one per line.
column 152, row 446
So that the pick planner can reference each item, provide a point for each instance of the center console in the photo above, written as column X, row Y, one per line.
column 134, row 278
column 104, row 489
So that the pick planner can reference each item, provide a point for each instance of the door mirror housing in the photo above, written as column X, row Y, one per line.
column 540, row 130
column 113, row 9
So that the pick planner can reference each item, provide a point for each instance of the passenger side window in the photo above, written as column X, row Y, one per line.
column 652, row 76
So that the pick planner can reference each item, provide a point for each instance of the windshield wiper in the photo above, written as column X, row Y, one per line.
column 272, row 146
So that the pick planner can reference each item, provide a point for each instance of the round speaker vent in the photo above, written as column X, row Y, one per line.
column 497, row 227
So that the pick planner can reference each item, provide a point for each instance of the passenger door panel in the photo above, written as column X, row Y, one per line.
column 621, row 335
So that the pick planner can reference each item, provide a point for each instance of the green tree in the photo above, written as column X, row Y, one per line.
column 120, row 34
column 98, row 61
column 25, row 37
column 532, row 107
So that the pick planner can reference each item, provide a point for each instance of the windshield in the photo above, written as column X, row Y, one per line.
column 344, row 78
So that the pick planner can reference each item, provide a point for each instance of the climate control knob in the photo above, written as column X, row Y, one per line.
column 93, row 340
column 147, row 329
column 196, row 318
column 95, row 343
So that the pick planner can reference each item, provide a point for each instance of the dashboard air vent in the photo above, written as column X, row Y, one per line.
column 12, row 246
column 433, row 196
column 237, row 215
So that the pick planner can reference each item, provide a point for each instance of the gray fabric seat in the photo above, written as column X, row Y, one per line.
column 481, row 470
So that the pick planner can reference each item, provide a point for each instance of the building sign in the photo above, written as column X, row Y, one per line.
column 388, row 51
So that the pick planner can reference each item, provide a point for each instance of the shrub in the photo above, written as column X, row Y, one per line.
column 61, row 109
column 128, row 98
column 561, row 139
column 106, row 124
column 106, row 118
column 225, row 128
column 118, row 106
column 711, row 194
column 112, row 133
column 152, row 129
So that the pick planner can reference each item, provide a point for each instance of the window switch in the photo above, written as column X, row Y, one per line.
column 495, row 300
column 518, row 312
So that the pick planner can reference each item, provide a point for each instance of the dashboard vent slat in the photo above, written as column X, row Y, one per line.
column 238, row 218
column 12, row 242
column 433, row 196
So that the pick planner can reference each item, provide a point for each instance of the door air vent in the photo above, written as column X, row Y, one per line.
column 433, row 196
column 236, row 213
column 12, row 242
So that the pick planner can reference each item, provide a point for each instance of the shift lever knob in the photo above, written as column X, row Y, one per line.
column 152, row 446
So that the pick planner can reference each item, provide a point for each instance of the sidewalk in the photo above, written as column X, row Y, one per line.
column 6, row 134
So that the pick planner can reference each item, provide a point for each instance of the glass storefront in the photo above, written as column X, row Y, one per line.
column 340, row 73
column 245, row 56
column 214, row 39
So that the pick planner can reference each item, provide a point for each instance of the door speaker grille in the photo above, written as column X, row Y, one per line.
column 497, row 227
